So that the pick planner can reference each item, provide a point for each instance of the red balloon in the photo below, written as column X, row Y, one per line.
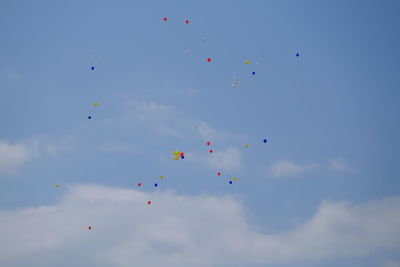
column 148, row 202
column 209, row 59
column 208, row 143
column 211, row 151
column 182, row 154
column 139, row 184
column 187, row 21
column 165, row 19
column 90, row 227
column 219, row 173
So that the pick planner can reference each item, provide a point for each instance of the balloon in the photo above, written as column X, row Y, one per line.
column 208, row 143
column 234, row 84
column 90, row 227
column 96, row 104
column 182, row 154
column 176, row 152
column 89, row 117
column 165, row 19
column 218, row 173
column 155, row 185
column 57, row 185
column 234, row 178
column 139, row 184
column 230, row 182
column 176, row 157
column 211, row 151
column 246, row 145
column 161, row 176
column 297, row 54
column 254, row 73
column 148, row 202
column 92, row 68
column 182, row 157
column 94, row 56
column 209, row 59
column 186, row 52
column 265, row 140
column 187, row 21
column 247, row 61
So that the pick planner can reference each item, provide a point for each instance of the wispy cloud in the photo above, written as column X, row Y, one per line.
column 288, row 168
column 180, row 230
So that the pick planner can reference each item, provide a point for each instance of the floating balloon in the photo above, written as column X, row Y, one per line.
column 92, row 68
column 218, row 173
column 57, row 185
column 176, row 152
column 187, row 21
column 297, row 54
column 208, row 143
column 176, row 157
column 165, row 19
column 90, row 227
column 148, row 202
column 94, row 56
column 161, row 176
column 234, row 178
column 182, row 154
column 96, row 104
column 254, row 73
column 234, row 84
column 265, row 140
column 209, row 59
column 182, row 157
column 246, row 145
column 247, row 62
column 89, row 117
column 211, row 151
column 155, row 185
column 186, row 52
column 230, row 182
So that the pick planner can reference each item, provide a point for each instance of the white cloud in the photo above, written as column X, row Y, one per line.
column 179, row 230
column 13, row 156
column 289, row 168
column 340, row 165
column 228, row 159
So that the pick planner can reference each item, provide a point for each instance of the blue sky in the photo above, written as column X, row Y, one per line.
column 330, row 117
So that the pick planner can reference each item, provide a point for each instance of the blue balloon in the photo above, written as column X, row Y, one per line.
column 297, row 54
column 89, row 117
column 265, row 140
column 92, row 68
column 230, row 182
column 155, row 185
column 254, row 73
column 182, row 157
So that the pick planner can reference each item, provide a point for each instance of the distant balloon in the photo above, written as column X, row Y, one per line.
column 90, row 227
column 176, row 157
column 246, row 145
column 234, row 178
column 211, row 151
column 94, row 56
column 148, row 202
column 230, row 182
column 265, row 140
column 176, row 152
column 187, row 21
column 92, row 68
column 208, row 143
column 89, row 117
column 218, row 173
column 254, row 73
column 297, row 54
column 234, row 84
column 155, row 185
column 139, row 184
column 247, row 62
column 182, row 154
column 161, row 176
column 182, row 157
column 165, row 18
column 186, row 52
column 57, row 185
column 209, row 59
column 96, row 104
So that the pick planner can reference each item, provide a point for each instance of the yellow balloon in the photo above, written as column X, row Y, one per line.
column 96, row 104
column 176, row 157
column 247, row 61
column 246, row 145
column 176, row 152
column 57, row 185
column 234, row 178
column 161, row 176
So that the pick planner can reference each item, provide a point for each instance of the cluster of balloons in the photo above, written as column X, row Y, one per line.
column 176, row 155
column 95, row 104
